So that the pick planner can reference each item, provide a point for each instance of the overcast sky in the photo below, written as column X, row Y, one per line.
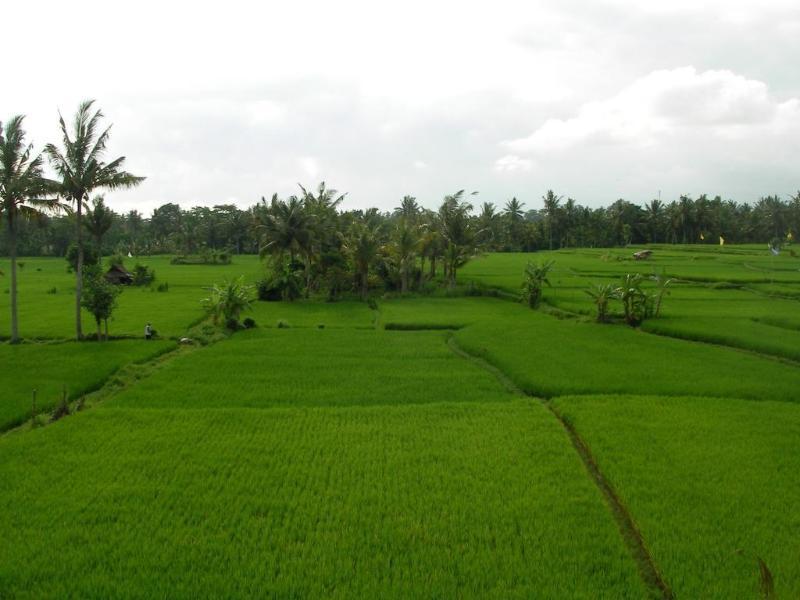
column 228, row 101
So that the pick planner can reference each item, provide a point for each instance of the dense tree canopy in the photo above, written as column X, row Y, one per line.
column 559, row 223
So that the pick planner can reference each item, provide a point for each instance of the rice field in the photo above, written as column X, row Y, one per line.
column 443, row 446
column 713, row 484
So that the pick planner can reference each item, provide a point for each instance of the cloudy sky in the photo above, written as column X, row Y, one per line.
column 603, row 99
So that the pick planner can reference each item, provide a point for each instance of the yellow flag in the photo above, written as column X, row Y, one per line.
column 789, row 236
column 721, row 241
column 702, row 237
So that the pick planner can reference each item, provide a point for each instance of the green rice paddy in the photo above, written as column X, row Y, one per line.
column 441, row 446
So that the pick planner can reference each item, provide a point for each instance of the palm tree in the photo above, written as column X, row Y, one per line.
column 99, row 220
column 514, row 215
column 655, row 215
column 457, row 233
column 408, row 209
column 22, row 188
column 81, row 169
column 404, row 247
column 286, row 227
column 551, row 202
column 488, row 220
column 326, row 198
column 361, row 244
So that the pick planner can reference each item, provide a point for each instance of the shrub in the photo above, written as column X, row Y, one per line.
column 635, row 301
column 233, row 324
column 535, row 279
column 283, row 324
column 143, row 275
column 267, row 292
column 249, row 323
column 601, row 293
column 163, row 287
column 228, row 300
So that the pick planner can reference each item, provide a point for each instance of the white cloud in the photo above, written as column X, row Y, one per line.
column 658, row 106
column 510, row 163
column 383, row 99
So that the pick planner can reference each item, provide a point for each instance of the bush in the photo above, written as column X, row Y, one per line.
column 143, row 275
column 267, row 292
column 90, row 256
column 233, row 324
column 249, row 323
column 163, row 287
column 283, row 324
column 535, row 280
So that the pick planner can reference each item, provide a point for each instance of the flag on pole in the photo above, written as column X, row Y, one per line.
column 721, row 241
column 702, row 237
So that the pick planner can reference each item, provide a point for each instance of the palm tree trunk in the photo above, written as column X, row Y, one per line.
column 364, row 284
column 99, row 330
column 12, row 243
column 105, row 321
column 79, row 270
column 433, row 266
column 404, row 280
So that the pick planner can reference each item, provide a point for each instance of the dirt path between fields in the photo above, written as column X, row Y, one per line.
column 648, row 570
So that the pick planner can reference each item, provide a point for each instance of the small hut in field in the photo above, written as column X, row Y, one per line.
column 642, row 254
column 118, row 275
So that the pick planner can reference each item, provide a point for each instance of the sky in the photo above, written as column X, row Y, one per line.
column 226, row 102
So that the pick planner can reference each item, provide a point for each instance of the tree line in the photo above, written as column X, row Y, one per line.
column 509, row 227
column 310, row 243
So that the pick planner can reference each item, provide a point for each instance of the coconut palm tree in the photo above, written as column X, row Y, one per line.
column 551, row 206
column 361, row 244
column 408, row 209
column 404, row 248
column 22, row 191
column 285, row 227
column 81, row 168
column 514, row 216
column 99, row 220
column 457, row 233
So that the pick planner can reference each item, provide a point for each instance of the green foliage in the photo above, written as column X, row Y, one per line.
column 143, row 275
column 90, row 256
column 601, row 294
column 535, row 280
column 634, row 299
column 284, row 282
column 99, row 297
column 227, row 301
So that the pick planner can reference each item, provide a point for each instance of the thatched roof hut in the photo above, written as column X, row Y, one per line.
column 642, row 254
column 119, row 276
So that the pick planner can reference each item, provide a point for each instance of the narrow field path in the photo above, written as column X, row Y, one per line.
column 119, row 381
column 648, row 570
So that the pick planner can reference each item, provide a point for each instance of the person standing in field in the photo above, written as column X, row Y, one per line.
column 148, row 332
